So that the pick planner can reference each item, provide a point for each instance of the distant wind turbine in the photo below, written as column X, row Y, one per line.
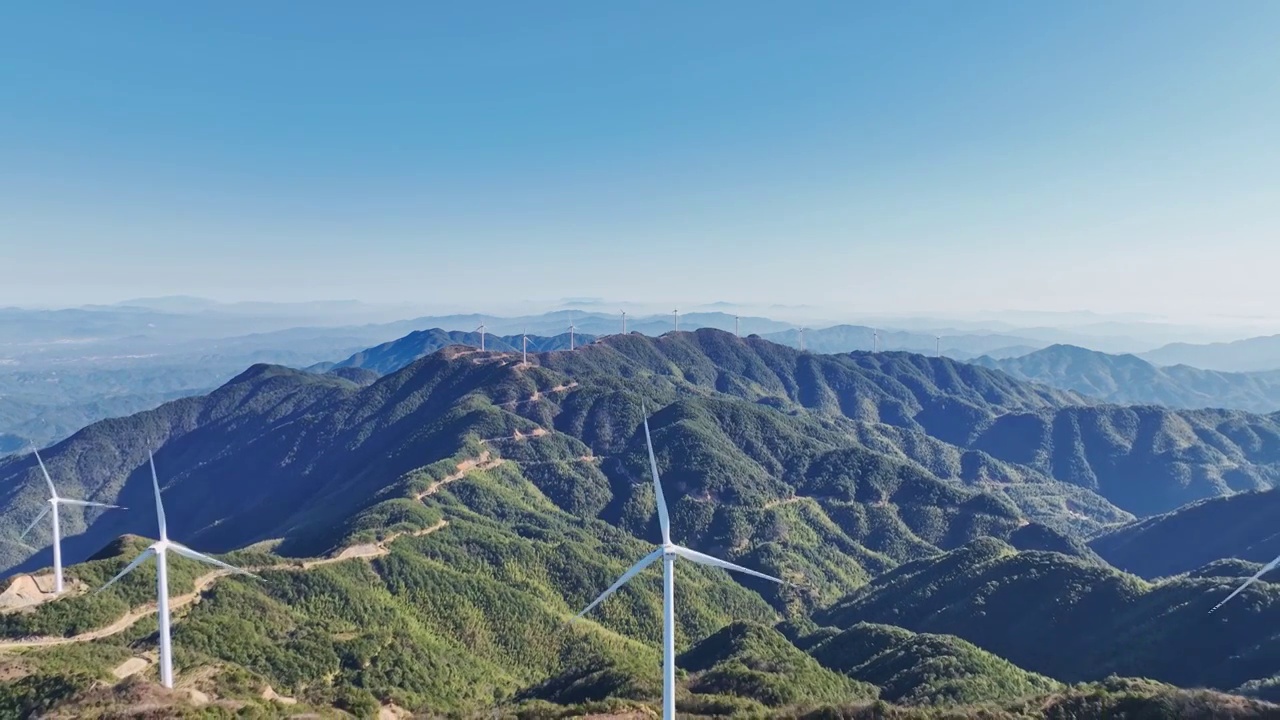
column 668, row 552
column 481, row 331
column 571, row 329
column 160, row 549
column 1265, row 569
column 624, row 322
column 939, row 345
column 675, row 320
column 54, row 501
column 737, row 325
column 801, row 339
column 524, row 347
column 875, row 340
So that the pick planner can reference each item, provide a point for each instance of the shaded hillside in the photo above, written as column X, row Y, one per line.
column 391, row 356
column 1130, row 380
column 1075, row 621
column 1242, row 526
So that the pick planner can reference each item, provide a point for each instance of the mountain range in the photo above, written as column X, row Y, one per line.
column 423, row 532
column 1131, row 380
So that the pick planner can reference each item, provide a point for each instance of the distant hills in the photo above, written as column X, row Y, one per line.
column 1131, row 380
column 1250, row 355
column 850, row 338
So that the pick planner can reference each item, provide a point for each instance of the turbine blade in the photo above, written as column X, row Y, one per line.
column 39, row 517
column 698, row 557
column 155, row 482
column 645, row 562
column 663, row 521
column 129, row 568
column 201, row 557
column 87, row 503
column 52, row 493
column 1265, row 569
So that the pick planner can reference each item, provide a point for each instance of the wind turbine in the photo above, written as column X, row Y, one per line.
column 571, row 329
column 481, row 331
column 524, row 347
column 1265, row 569
column 801, row 339
column 624, row 322
column 54, row 501
column 160, row 549
column 737, row 325
column 939, row 337
column 668, row 552
column 675, row 320
column 875, row 340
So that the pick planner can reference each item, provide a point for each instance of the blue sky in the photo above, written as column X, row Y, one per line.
column 904, row 156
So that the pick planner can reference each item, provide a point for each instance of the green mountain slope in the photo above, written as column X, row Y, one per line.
column 1130, row 380
column 1075, row 621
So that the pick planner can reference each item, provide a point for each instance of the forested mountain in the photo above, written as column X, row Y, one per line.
column 391, row 356
column 1076, row 621
column 1243, row 526
column 423, row 538
column 1130, row 380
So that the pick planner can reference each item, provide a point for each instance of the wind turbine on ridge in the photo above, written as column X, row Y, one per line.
column 668, row 552
column 572, row 327
column 624, row 322
column 54, row 501
column 675, row 320
column 161, row 549
column 801, row 339
column 481, row 331
column 524, row 347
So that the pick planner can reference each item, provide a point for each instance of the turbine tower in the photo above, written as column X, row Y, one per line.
column 668, row 552
column 875, row 340
column 160, row 549
column 572, row 327
column 737, row 325
column 524, row 347
column 481, row 331
column 675, row 320
column 801, row 339
column 939, row 337
column 54, row 501
column 624, row 322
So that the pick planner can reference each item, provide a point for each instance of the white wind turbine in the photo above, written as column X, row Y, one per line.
column 524, row 347
column 675, row 320
column 801, row 339
column 572, row 327
column 481, row 331
column 668, row 552
column 737, row 325
column 624, row 322
column 160, row 550
column 54, row 501
column 1265, row 569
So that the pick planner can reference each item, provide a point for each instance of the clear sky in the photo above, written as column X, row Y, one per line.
column 883, row 156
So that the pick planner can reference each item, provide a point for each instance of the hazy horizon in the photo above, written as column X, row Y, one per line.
column 886, row 160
